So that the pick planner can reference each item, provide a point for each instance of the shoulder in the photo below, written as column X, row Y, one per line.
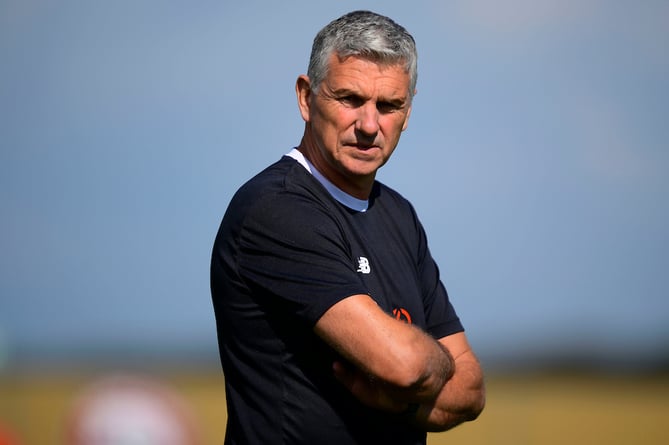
column 391, row 200
column 272, row 179
column 273, row 185
column 284, row 195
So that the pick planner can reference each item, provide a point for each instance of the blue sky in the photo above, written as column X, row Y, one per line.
column 537, row 156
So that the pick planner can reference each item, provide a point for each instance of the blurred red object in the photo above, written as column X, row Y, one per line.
column 130, row 410
column 8, row 437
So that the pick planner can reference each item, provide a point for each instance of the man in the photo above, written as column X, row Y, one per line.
column 333, row 324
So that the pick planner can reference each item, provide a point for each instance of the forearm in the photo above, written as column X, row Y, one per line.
column 392, row 396
column 462, row 398
column 437, row 367
column 400, row 357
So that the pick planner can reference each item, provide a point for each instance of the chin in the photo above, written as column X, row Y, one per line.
column 359, row 167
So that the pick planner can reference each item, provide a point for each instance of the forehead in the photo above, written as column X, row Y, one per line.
column 367, row 77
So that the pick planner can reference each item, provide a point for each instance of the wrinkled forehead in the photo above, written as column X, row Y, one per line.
column 389, row 72
column 374, row 57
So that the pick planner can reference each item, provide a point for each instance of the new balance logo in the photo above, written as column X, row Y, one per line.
column 363, row 265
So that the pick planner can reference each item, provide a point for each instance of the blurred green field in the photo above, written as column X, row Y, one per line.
column 521, row 409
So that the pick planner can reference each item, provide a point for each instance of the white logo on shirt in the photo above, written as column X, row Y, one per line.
column 363, row 265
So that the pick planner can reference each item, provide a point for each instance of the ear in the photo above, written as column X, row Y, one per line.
column 303, row 92
column 406, row 118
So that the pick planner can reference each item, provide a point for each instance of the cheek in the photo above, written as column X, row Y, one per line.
column 392, row 128
column 337, row 114
column 337, row 126
column 326, row 132
column 328, row 118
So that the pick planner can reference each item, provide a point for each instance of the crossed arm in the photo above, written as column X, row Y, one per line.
column 396, row 367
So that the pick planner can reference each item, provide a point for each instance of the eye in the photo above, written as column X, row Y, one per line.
column 387, row 107
column 351, row 100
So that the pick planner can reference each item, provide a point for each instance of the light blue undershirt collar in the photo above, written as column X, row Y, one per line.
column 344, row 198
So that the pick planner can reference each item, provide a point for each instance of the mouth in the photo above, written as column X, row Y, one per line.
column 365, row 153
column 362, row 146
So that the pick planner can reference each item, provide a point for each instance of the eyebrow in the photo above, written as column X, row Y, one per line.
column 395, row 101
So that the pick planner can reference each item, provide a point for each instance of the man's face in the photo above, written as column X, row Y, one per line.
column 355, row 119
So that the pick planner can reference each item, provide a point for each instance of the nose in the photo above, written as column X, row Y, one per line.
column 368, row 120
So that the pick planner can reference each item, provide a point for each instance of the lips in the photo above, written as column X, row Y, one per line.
column 362, row 147
column 365, row 153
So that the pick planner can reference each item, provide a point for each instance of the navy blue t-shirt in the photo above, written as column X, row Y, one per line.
column 286, row 251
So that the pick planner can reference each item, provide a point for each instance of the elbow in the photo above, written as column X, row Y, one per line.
column 477, row 406
column 419, row 374
column 448, row 418
column 477, row 400
column 411, row 377
column 416, row 364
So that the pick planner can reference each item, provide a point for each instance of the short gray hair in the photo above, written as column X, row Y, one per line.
column 367, row 35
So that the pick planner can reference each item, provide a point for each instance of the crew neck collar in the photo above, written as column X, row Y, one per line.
column 360, row 205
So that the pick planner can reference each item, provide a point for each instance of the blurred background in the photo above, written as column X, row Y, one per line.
column 537, row 157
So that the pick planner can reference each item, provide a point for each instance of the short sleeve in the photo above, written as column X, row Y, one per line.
column 441, row 318
column 293, row 250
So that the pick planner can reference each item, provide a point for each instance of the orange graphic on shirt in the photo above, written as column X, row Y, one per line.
column 402, row 314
